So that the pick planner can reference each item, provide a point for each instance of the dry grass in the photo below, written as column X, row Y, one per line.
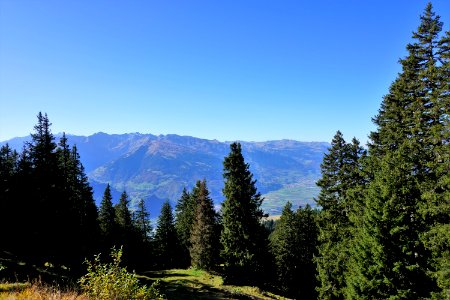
column 36, row 291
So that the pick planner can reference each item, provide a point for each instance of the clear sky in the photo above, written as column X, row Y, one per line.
column 228, row 70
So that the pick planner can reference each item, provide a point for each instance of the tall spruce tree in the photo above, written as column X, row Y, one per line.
column 184, row 220
column 293, row 244
column 88, row 231
column 142, row 245
column 9, row 168
column 47, row 201
column 243, row 236
column 141, row 221
column 436, row 209
column 204, row 240
column 123, row 214
column 80, row 212
column 166, row 242
column 284, row 244
column 389, row 257
column 107, row 219
column 340, row 174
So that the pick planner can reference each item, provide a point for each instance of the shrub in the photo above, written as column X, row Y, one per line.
column 106, row 281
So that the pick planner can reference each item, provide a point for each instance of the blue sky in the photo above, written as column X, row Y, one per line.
column 227, row 70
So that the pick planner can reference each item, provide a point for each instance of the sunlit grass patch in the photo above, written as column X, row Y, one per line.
column 198, row 284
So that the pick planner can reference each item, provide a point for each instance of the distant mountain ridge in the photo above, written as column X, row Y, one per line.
column 157, row 168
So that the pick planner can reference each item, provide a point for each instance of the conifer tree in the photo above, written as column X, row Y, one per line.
column 9, row 167
column 80, row 213
column 437, row 193
column 47, row 202
column 87, row 213
column 389, row 257
column 184, row 220
column 122, row 213
column 284, row 244
column 308, row 231
column 243, row 236
column 339, row 169
column 142, row 252
column 107, row 220
column 204, row 240
column 141, row 221
column 166, row 241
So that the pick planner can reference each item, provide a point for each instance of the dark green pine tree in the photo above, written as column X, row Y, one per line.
column 293, row 244
column 389, row 258
column 284, row 244
column 46, row 201
column 184, row 220
column 123, row 215
column 81, row 230
column 166, row 241
column 243, row 236
column 142, row 242
column 88, row 230
column 9, row 168
column 437, row 193
column 107, row 220
column 123, row 220
column 340, row 174
column 141, row 222
column 126, row 236
column 204, row 240
column 308, row 231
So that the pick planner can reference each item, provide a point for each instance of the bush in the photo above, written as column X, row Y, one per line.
column 106, row 281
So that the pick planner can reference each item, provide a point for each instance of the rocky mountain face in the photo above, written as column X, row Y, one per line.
column 157, row 168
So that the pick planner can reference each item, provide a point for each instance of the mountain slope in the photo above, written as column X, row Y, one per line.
column 156, row 168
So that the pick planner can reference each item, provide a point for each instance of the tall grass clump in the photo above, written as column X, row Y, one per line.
column 106, row 281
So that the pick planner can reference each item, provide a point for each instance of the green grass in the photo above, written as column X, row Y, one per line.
column 198, row 284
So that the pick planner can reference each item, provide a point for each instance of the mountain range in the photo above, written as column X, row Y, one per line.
column 157, row 168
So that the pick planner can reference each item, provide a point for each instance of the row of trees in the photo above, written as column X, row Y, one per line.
column 384, row 228
column 47, row 212
column 278, row 257
column 48, row 215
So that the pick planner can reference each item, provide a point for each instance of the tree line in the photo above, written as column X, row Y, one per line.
column 382, row 230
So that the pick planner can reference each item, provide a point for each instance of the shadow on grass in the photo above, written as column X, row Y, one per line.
column 184, row 288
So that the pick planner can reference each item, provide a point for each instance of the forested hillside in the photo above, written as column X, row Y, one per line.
column 381, row 229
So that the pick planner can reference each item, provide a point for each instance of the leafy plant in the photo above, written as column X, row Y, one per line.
column 105, row 281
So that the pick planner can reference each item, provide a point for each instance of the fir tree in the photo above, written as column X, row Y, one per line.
column 80, row 212
column 123, row 214
column 436, row 209
column 9, row 168
column 284, row 246
column 142, row 242
column 340, row 175
column 204, row 239
column 47, row 201
column 185, row 214
column 106, row 219
column 308, row 232
column 141, row 221
column 166, row 242
column 243, row 236
column 389, row 257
